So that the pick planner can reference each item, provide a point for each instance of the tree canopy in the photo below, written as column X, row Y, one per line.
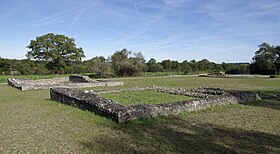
column 266, row 59
column 126, row 63
column 57, row 49
column 100, row 66
column 55, row 53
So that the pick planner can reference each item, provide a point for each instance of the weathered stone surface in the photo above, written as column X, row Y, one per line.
column 179, row 91
column 211, row 91
column 80, row 79
column 25, row 84
column 93, row 102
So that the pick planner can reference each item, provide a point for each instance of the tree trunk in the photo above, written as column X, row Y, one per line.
column 277, row 71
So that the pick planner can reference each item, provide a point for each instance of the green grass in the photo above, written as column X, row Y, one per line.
column 146, row 74
column 31, row 123
column 144, row 97
column 189, row 82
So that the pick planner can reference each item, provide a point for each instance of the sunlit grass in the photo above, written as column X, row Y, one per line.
column 144, row 97
column 32, row 123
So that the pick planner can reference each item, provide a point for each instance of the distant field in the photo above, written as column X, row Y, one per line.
column 146, row 74
column 189, row 82
column 31, row 123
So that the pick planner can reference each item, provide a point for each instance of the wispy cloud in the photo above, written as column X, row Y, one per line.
column 174, row 3
column 54, row 19
column 165, row 28
column 79, row 15
column 109, row 29
column 136, row 8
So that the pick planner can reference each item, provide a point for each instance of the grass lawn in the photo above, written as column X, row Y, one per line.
column 144, row 97
column 31, row 123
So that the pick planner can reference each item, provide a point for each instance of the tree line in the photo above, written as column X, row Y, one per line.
column 58, row 54
column 121, row 63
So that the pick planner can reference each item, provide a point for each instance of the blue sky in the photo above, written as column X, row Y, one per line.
column 219, row 30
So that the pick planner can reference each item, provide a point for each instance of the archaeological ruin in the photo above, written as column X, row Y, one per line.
column 65, row 90
column 73, row 81
column 92, row 101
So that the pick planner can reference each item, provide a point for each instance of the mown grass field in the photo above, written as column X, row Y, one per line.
column 144, row 97
column 31, row 123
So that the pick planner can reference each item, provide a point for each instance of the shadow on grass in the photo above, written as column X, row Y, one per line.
column 269, row 103
column 179, row 136
column 267, row 100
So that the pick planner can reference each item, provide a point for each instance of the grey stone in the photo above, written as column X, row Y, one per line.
column 93, row 102
column 25, row 84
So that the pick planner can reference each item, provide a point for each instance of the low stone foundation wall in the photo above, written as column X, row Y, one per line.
column 80, row 79
column 92, row 101
column 26, row 84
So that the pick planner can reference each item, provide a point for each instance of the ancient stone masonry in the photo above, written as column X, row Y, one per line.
column 179, row 91
column 92, row 101
column 26, row 84
column 80, row 79
column 211, row 91
column 71, row 82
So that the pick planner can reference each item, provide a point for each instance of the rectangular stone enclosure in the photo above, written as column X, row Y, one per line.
column 73, row 81
column 92, row 101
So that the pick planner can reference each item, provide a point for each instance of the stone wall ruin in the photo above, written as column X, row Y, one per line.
column 74, row 81
column 92, row 101
column 80, row 79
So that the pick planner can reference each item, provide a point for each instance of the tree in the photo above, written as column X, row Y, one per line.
column 266, row 60
column 153, row 66
column 57, row 49
column 126, row 64
column 138, row 60
column 100, row 67
column 205, row 65
column 5, row 66
column 193, row 65
column 277, row 60
column 186, row 67
column 235, row 68
column 167, row 65
column 176, row 66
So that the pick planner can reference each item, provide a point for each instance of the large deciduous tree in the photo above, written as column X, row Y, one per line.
column 57, row 49
column 266, row 59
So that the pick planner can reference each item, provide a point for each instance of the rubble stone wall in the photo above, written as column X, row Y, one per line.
column 26, row 84
column 80, row 79
column 92, row 101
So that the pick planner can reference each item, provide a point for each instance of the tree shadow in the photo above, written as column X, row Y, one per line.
column 268, row 100
column 176, row 135
column 269, row 103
